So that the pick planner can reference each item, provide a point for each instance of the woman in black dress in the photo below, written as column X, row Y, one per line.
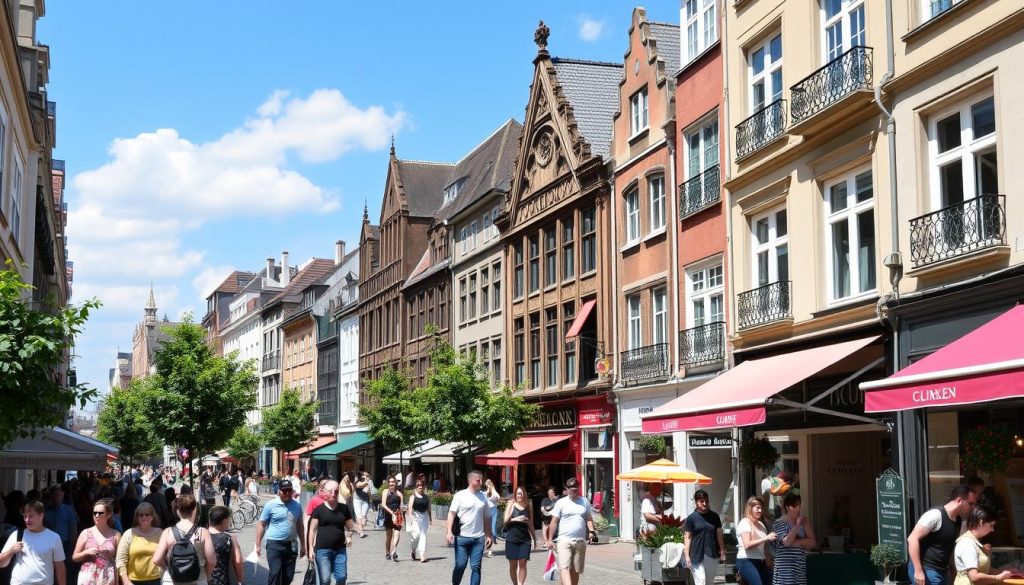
column 228, row 570
column 393, row 520
column 546, row 505
column 519, row 536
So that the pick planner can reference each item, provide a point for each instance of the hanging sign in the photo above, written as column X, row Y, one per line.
column 892, row 513
column 708, row 442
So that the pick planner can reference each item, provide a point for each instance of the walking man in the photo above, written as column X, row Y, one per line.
column 930, row 545
column 62, row 519
column 469, row 510
column 281, row 522
column 330, row 531
column 572, row 525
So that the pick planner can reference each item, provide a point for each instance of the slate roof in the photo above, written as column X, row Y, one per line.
column 310, row 275
column 592, row 89
column 487, row 167
column 667, row 37
column 424, row 183
column 235, row 282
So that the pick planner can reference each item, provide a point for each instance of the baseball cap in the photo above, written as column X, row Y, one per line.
column 285, row 486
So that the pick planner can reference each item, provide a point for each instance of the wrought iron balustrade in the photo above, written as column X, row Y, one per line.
column 699, row 192
column 959, row 229
column 764, row 304
column 272, row 360
column 327, row 400
column 840, row 77
column 645, row 363
column 702, row 345
column 765, row 125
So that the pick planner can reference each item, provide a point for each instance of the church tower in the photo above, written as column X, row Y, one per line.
column 150, row 307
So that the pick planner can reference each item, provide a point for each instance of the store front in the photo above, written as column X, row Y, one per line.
column 341, row 455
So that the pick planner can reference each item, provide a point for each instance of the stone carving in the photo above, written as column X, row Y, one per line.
column 540, row 36
column 549, row 198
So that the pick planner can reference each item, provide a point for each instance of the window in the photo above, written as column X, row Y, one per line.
column 16, row 204
column 486, row 233
column 463, row 233
column 705, row 296
column 463, row 314
column 3, row 152
column 496, row 287
column 534, row 263
column 771, row 248
column 702, row 148
column 638, row 111
column 451, row 192
column 472, row 296
column 850, row 215
column 933, row 8
column 962, row 145
column 632, row 208
column 844, row 26
column 656, row 191
column 589, row 241
column 472, row 235
column 701, row 29
column 517, row 276
column 485, row 302
column 519, row 353
column 766, row 73
column 550, row 256
column 568, row 249
column 494, row 219
column 535, row 350
column 659, row 301
column 634, row 331
column 569, row 315
column 551, row 343
column 496, row 360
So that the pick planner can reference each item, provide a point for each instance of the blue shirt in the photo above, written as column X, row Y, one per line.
column 61, row 519
column 280, row 518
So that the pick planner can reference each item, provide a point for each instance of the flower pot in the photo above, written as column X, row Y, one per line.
column 652, row 571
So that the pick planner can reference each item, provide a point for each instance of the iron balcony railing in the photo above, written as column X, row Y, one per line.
column 839, row 78
column 272, row 360
column 765, row 125
column 645, row 363
column 699, row 192
column 702, row 345
column 327, row 399
column 959, row 229
column 764, row 304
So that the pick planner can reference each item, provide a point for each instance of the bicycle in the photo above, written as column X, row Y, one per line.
column 250, row 508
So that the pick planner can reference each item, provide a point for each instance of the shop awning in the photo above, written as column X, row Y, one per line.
column 345, row 442
column 445, row 453
column 56, row 449
column 313, row 445
column 581, row 318
column 984, row 365
column 738, row 397
column 414, row 453
column 226, row 457
column 522, row 447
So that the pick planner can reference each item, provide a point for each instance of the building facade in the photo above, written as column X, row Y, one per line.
column 218, row 311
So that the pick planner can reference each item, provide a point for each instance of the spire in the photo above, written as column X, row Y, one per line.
column 150, row 305
column 366, row 212
column 392, row 145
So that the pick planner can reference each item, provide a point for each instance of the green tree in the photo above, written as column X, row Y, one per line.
column 393, row 413
column 244, row 443
column 288, row 424
column 198, row 399
column 33, row 345
column 123, row 422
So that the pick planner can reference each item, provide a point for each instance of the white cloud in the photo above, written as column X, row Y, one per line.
column 210, row 278
column 590, row 29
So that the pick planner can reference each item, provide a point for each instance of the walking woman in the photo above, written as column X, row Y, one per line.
column 97, row 548
column 393, row 521
column 419, row 505
column 361, row 501
column 793, row 537
column 972, row 564
column 229, row 570
column 137, row 546
column 493, row 497
column 186, row 528
column 752, row 559
column 546, row 505
column 519, row 536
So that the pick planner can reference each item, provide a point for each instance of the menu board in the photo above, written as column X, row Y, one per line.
column 1015, row 503
column 892, row 517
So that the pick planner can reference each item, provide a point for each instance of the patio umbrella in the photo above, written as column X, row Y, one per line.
column 663, row 471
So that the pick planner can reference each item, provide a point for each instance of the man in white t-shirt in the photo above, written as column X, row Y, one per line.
column 469, row 509
column 39, row 556
column 572, row 525
column 650, row 508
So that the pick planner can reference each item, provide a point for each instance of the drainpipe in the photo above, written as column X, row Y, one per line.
column 725, row 137
column 674, row 253
column 616, row 290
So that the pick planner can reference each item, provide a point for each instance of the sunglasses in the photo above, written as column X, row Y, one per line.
column 98, row 513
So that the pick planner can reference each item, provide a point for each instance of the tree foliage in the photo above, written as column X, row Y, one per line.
column 243, row 443
column 33, row 345
column 288, row 424
column 123, row 422
column 393, row 413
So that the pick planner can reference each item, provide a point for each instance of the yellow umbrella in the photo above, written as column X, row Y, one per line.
column 664, row 471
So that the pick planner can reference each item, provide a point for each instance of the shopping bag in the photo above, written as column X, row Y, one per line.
column 310, row 577
column 253, row 557
column 381, row 515
column 551, row 567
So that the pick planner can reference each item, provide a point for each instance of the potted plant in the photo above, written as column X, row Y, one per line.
column 651, row 444
column 650, row 543
column 759, row 453
column 886, row 557
column 440, row 503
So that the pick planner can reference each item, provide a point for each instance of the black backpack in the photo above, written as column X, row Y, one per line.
column 184, row 563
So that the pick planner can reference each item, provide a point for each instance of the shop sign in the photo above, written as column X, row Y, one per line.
column 595, row 417
column 892, row 514
column 558, row 418
column 709, row 442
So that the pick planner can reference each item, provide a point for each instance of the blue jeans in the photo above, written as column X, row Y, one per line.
column 932, row 576
column 332, row 560
column 494, row 523
column 754, row 571
column 468, row 551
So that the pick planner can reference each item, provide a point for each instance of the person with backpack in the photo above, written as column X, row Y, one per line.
column 229, row 570
column 35, row 551
column 281, row 522
column 185, row 549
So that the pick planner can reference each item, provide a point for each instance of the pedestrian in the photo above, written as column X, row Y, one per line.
column 419, row 523
column 229, row 569
column 972, row 562
column 137, row 546
column 469, row 510
column 546, row 505
column 129, row 501
column 330, row 528
column 207, row 491
column 225, row 489
column 156, row 499
column 572, row 525
column 171, row 498
column 235, row 483
column 62, row 519
column 931, row 542
column 96, row 548
column 361, row 501
column 752, row 557
column 794, row 536
column 296, row 481
column 520, row 537
column 38, row 558
column 650, row 508
column 345, row 489
column 703, row 540
column 393, row 521
column 317, row 499
column 281, row 523
column 252, row 489
column 186, row 528
column 493, row 498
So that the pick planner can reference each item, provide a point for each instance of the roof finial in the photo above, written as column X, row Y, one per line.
column 541, row 36
column 366, row 212
column 392, row 145
column 151, row 303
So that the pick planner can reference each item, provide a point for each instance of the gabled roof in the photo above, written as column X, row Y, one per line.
column 486, row 168
column 423, row 184
column 313, row 273
column 424, row 269
column 235, row 282
column 667, row 38
column 592, row 89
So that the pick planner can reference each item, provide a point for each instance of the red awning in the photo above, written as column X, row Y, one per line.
column 581, row 318
column 984, row 365
column 522, row 447
column 315, row 444
column 737, row 398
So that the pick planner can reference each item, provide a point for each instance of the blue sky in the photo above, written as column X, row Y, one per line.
column 202, row 137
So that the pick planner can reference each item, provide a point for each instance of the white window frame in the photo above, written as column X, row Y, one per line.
column 702, row 132
column 704, row 282
column 700, row 18
column 850, row 13
column 926, row 9
column 634, row 316
column 656, row 196
column 473, row 231
column 659, row 315
column 771, row 246
column 485, row 235
column 765, row 75
column 631, row 205
column 966, row 152
column 16, row 196
column 463, row 237
column 638, row 112
column 3, row 154
column 848, row 215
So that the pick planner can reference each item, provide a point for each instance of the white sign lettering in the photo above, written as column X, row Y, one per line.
column 725, row 419
column 934, row 394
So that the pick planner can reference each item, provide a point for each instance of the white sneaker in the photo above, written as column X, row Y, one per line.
column 490, row 554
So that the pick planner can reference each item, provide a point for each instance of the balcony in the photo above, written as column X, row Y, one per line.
column 645, row 363
column 699, row 192
column 958, row 230
column 327, row 402
column 702, row 345
column 765, row 304
column 842, row 77
column 272, row 360
column 760, row 129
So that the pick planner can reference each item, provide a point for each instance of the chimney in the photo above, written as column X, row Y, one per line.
column 286, row 275
column 339, row 252
column 270, row 270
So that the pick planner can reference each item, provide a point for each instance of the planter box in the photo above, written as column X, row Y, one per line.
column 439, row 512
column 651, row 570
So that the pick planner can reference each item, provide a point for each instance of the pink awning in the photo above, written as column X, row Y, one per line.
column 984, row 365
column 737, row 398
column 581, row 318
column 522, row 447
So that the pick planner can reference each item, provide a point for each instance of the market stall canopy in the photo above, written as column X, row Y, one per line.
column 345, row 442
column 738, row 397
column 522, row 448
column 414, row 453
column 984, row 365
column 56, row 449
column 445, row 453
column 313, row 445
column 663, row 471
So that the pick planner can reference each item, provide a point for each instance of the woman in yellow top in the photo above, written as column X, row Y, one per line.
column 973, row 566
column 137, row 546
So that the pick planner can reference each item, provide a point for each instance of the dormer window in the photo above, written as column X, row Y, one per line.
column 452, row 191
